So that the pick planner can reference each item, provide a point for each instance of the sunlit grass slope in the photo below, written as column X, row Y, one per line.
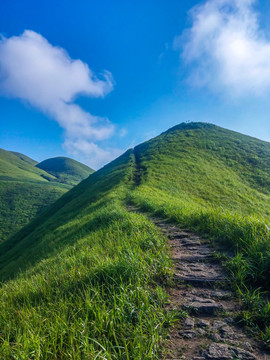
column 83, row 281
column 216, row 182
column 84, row 277
column 26, row 190
column 66, row 170
column 25, row 158
column 12, row 167
column 206, row 165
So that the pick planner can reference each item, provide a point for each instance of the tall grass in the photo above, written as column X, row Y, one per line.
column 207, row 184
column 95, row 299
column 89, row 285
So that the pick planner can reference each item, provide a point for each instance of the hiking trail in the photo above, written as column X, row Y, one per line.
column 201, row 288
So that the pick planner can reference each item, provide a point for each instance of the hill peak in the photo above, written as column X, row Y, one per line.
column 190, row 125
column 65, row 169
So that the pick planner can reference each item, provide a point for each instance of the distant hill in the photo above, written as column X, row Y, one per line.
column 90, row 273
column 65, row 170
column 26, row 190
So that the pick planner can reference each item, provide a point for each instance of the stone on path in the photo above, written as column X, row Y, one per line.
column 201, row 289
column 218, row 351
column 204, row 306
column 189, row 323
column 201, row 293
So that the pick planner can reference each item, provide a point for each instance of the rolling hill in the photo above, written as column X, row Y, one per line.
column 85, row 277
column 65, row 170
column 25, row 158
column 26, row 190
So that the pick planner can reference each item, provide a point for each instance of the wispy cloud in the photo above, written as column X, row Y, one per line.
column 89, row 152
column 122, row 133
column 226, row 49
column 44, row 75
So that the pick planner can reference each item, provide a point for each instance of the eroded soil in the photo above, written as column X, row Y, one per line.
column 201, row 288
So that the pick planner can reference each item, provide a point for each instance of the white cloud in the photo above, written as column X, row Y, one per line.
column 89, row 152
column 226, row 48
column 44, row 75
column 122, row 132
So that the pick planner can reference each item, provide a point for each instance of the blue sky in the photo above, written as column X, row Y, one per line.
column 89, row 79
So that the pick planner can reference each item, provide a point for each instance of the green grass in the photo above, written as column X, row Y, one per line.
column 203, row 178
column 65, row 170
column 85, row 280
column 25, row 158
column 21, row 201
column 26, row 190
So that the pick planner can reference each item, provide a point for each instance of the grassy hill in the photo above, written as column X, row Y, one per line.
column 25, row 158
column 26, row 190
column 84, row 279
column 67, row 171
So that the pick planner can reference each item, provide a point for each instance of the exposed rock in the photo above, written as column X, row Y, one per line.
column 203, row 323
column 196, row 265
column 176, row 234
column 222, row 294
column 206, row 306
column 216, row 337
column 228, row 333
column 202, row 270
column 217, row 351
column 188, row 334
column 189, row 323
column 201, row 332
column 243, row 354
column 218, row 324
column 225, row 352
column 189, row 242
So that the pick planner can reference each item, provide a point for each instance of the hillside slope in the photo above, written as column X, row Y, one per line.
column 67, row 171
column 206, row 165
column 25, row 158
column 26, row 190
column 86, row 270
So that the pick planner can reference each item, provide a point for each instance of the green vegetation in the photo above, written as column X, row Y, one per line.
column 25, row 158
column 216, row 182
column 85, row 279
column 67, row 171
column 26, row 190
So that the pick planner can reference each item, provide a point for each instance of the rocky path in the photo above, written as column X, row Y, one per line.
column 201, row 288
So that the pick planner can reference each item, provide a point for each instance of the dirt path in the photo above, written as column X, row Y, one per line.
column 209, row 332
column 201, row 288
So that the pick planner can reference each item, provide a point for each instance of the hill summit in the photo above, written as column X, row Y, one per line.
column 66, row 170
